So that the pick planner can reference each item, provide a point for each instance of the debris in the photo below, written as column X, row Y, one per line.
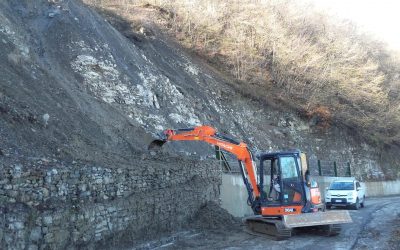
column 212, row 216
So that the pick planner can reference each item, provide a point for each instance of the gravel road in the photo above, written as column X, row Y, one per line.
column 374, row 227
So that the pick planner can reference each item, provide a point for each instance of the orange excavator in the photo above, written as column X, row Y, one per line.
column 280, row 191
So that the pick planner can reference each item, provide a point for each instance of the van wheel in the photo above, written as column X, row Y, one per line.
column 363, row 203
column 328, row 206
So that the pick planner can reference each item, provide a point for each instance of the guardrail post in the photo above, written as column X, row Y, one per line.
column 335, row 168
column 319, row 168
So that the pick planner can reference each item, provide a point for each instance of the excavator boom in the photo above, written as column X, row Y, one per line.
column 210, row 135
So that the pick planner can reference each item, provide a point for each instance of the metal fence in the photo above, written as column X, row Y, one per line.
column 229, row 164
column 227, row 161
column 334, row 168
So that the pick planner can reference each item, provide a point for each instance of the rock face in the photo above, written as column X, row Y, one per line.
column 79, row 103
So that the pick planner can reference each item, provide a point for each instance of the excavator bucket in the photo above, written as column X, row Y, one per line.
column 317, row 219
column 156, row 144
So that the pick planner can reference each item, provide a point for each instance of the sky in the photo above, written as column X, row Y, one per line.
column 379, row 17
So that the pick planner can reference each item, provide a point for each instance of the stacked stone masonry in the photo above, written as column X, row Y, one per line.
column 55, row 206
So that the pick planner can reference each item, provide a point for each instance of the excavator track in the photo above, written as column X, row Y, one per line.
column 277, row 230
column 332, row 230
column 273, row 228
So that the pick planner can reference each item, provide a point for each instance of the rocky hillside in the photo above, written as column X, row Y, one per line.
column 52, row 55
column 74, row 87
column 81, row 96
column 291, row 52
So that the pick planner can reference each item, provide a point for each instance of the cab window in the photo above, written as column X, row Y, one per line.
column 288, row 167
column 267, row 172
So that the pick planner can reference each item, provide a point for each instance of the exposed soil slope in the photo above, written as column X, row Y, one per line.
column 231, row 106
column 46, row 107
column 74, row 87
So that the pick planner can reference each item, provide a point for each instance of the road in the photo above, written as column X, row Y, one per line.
column 372, row 228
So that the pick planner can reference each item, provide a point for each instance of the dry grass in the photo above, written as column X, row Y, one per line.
column 322, row 66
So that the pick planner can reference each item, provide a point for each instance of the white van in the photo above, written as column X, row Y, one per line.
column 345, row 193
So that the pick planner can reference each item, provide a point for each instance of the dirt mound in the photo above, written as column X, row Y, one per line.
column 212, row 216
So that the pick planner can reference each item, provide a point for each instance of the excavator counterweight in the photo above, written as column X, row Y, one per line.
column 280, row 191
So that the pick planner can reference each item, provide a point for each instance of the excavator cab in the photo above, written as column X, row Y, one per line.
column 285, row 184
column 289, row 199
column 280, row 180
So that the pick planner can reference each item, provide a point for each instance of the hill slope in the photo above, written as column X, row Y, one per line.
column 106, row 95
column 79, row 102
column 293, row 53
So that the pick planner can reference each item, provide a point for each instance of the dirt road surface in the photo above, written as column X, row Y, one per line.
column 377, row 226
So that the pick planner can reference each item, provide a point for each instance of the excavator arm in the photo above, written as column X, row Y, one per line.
column 210, row 135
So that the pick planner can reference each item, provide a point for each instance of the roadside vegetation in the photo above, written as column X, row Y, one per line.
column 324, row 68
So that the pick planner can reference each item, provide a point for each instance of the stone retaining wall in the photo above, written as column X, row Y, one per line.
column 54, row 205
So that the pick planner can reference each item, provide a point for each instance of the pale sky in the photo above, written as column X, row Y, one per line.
column 380, row 17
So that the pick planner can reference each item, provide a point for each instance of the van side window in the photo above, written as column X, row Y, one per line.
column 358, row 185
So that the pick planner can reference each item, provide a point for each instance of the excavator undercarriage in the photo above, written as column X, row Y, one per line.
column 262, row 226
column 328, row 222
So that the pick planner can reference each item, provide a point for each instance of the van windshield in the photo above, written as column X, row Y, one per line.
column 342, row 186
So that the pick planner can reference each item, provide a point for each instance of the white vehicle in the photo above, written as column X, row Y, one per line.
column 345, row 193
